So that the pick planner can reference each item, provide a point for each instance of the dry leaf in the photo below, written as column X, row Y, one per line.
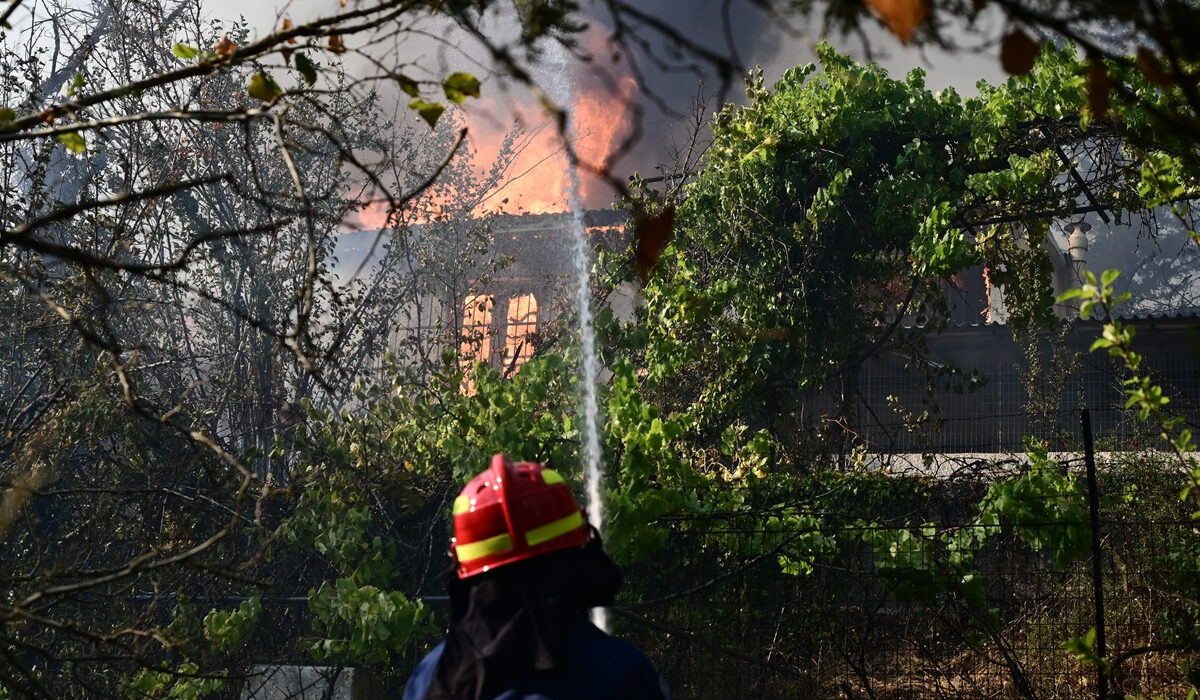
column 225, row 47
column 14, row 498
column 1098, row 87
column 901, row 17
column 1018, row 52
column 335, row 43
column 653, row 234
column 1152, row 68
column 287, row 24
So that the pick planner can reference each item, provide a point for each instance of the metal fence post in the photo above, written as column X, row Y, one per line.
column 1089, row 451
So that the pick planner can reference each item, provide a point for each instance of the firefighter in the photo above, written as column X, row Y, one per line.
column 528, row 567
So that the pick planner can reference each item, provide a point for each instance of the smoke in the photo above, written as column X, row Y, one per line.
column 701, row 51
column 683, row 58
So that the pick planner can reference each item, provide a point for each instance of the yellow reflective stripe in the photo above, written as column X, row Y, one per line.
column 551, row 477
column 462, row 504
column 483, row 548
column 549, row 531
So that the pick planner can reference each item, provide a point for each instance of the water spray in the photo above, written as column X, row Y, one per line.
column 589, row 370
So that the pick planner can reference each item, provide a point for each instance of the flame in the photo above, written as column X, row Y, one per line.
column 521, row 330
column 372, row 216
column 537, row 180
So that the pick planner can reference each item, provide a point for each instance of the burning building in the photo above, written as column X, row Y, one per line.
column 501, row 319
column 489, row 287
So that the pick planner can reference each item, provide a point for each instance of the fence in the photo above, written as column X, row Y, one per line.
column 741, row 626
column 985, row 392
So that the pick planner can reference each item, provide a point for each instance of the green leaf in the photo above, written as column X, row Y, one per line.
column 263, row 87
column 185, row 52
column 408, row 85
column 307, row 68
column 429, row 111
column 73, row 141
column 76, row 85
column 460, row 86
column 7, row 116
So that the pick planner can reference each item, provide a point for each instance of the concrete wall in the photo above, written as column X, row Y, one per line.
column 310, row 683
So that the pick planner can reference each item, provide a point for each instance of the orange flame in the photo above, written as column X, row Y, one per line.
column 537, row 180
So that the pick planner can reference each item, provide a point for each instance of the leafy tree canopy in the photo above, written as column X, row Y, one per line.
column 831, row 211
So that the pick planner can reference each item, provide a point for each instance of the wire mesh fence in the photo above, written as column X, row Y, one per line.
column 980, row 390
column 759, row 605
column 744, row 626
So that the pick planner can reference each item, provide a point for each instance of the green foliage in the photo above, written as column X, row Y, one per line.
column 651, row 480
column 185, row 52
column 908, row 562
column 1163, row 180
column 831, row 207
column 459, row 86
column 413, row 443
column 184, row 682
column 76, row 84
column 337, row 530
column 838, row 202
column 73, row 142
column 1142, row 394
column 1045, row 507
column 798, row 235
column 798, row 540
column 357, row 617
column 1181, row 620
column 263, row 87
column 307, row 69
column 1083, row 649
column 429, row 111
column 364, row 624
column 410, row 87
column 229, row 630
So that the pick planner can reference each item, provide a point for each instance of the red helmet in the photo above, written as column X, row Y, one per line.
column 512, row 512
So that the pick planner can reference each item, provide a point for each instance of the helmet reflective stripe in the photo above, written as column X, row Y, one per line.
column 462, row 504
column 549, row 531
column 550, row 476
column 536, row 536
column 482, row 548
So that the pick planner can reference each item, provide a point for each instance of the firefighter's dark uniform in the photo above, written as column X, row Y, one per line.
column 599, row 667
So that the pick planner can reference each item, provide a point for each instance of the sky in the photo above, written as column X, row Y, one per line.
column 759, row 41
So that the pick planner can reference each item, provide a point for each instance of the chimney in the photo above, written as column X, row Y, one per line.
column 1077, row 248
column 1069, row 263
